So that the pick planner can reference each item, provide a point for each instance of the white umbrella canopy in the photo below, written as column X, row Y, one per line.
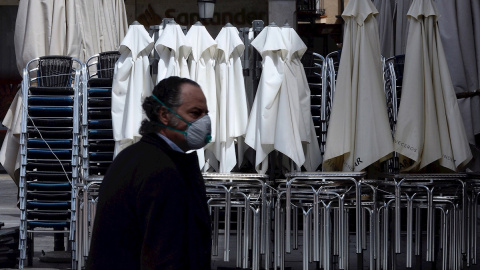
column 173, row 50
column 77, row 28
column 232, row 101
column 385, row 26
column 429, row 125
column 274, row 119
column 359, row 131
column 102, row 25
column 10, row 151
column 296, row 80
column 201, row 65
column 131, row 84
column 41, row 29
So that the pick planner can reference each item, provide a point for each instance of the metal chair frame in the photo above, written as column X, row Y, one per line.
column 50, row 77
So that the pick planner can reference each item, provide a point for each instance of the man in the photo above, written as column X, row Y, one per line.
column 152, row 211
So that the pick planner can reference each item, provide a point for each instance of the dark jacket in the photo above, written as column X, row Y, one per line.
column 152, row 211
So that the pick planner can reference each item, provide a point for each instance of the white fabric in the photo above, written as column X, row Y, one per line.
column 359, row 131
column 429, row 124
column 385, row 26
column 77, row 28
column 10, row 151
column 40, row 29
column 131, row 84
column 276, row 116
column 173, row 50
column 231, row 96
column 120, row 20
column 102, row 24
column 201, row 64
column 297, row 83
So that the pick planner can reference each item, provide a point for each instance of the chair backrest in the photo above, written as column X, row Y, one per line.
column 399, row 62
column 106, row 64
column 54, row 71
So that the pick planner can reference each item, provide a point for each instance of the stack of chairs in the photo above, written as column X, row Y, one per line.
column 393, row 78
column 245, row 195
column 315, row 71
column 97, row 143
column 97, row 134
column 49, row 149
column 332, row 62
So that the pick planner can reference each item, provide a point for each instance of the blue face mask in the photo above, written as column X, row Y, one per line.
column 198, row 133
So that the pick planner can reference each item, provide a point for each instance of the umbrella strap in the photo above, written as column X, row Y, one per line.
column 171, row 128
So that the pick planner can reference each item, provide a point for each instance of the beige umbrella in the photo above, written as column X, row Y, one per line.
column 102, row 25
column 40, row 29
column 359, row 131
column 429, row 125
column 10, row 151
column 77, row 28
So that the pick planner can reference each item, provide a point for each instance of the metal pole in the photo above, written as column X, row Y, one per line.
column 316, row 233
column 239, row 237
column 226, row 248
column 306, row 227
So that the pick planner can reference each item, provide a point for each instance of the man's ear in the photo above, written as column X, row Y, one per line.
column 164, row 115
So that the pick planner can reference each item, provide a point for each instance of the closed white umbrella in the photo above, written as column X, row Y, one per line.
column 201, row 64
column 77, row 28
column 173, row 50
column 10, row 151
column 429, row 125
column 231, row 96
column 274, row 119
column 102, row 25
column 296, row 80
column 40, row 29
column 359, row 131
column 131, row 84
column 121, row 22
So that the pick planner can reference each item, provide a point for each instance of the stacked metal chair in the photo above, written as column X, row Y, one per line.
column 97, row 134
column 440, row 198
column 315, row 70
column 248, row 195
column 324, row 201
column 393, row 78
column 97, row 142
column 332, row 62
column 49, row 149
column 472, row 195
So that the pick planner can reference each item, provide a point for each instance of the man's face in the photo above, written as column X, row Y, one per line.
column 194, row 107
